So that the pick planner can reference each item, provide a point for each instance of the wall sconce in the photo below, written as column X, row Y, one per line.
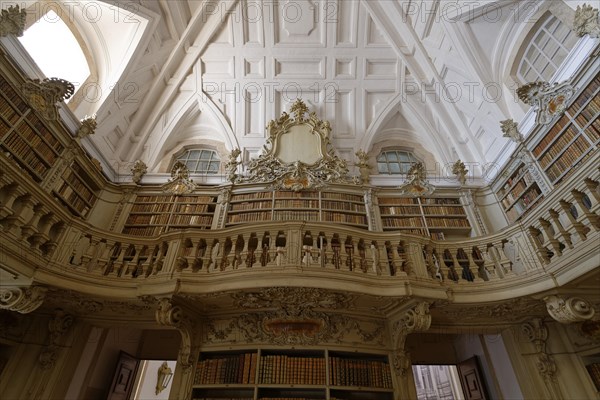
column 164, row 377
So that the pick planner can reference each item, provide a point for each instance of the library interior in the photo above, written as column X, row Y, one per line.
column 299, row 199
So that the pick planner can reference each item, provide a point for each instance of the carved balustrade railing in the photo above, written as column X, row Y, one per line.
column 566, row 222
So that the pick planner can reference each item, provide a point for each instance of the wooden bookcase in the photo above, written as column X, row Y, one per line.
column 437, row 217
column 77, row 190
column 292, row 374
column 24, row 135
column 153, row 214
column 573, row 137
column 520, row 193
column 339, row 207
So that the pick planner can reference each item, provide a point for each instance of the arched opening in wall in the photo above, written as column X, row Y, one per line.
column 546, row 47
column 56, row 49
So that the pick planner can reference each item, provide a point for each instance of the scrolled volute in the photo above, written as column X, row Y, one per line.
column 22, row 300
column 569, row 310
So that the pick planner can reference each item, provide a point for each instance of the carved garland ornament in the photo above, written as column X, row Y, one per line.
column 546, row 99
column 298, row 154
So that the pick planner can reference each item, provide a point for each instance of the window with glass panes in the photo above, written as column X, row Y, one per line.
column 201, row 161
column 546, row 51
column 395, row 161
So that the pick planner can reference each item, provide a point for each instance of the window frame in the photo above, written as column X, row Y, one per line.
column 403, row 166
column 214, row 157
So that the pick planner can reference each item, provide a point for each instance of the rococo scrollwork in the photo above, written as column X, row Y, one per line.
column 43, row 95
column 416, row 182
column 305, row 161
column 12, row 21
column 180, row 182
column 546, row 99
column 586, row 21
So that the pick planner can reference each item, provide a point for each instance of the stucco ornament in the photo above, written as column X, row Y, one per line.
column 88, row 127
column 43, row 95
column 138, row 170
column 12, row 21
column 416, row 182
column 569, row 310
column 180, row 182
column 546, row 99
column 232, row 165
column 460, row 170
column 586, row 21
column 363, row 166
column 298, row 154
column 510, row 129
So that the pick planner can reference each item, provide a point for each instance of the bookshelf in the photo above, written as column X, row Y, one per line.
column 572, row 139
column 153, row 214
column 292, row 374
column 437, row 217
column 520, row 193
column 339, row 207
column 76, row 190
column 24, row 135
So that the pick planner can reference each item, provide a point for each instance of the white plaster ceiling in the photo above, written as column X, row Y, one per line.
column 219, row 71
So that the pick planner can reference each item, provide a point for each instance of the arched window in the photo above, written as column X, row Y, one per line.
column 200, row 161
column 395, row 161
column 547, row 49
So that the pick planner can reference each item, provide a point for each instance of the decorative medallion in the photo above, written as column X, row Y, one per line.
column 12, row 21
column 180, row 182
column 43, row 95
column 416, row 183
column 298, row 154
column 547, row 100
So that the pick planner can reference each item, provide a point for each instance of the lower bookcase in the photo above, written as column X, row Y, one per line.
column 268, row 374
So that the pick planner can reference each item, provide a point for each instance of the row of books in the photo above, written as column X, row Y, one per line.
column 594, row 371
column 71, row 198
column 12, row 95
column 8, row 112
column 249, row 217
column 296, row 203
column 237, row 368
column 365, row 373
column 437, row 236
column 588, row 93
column 561, row 144
column 593, row 130
column 347, row 218
column 444, row 210
column 170, row 199
column 192, row 208
column 400, row 210
column 557, row 169
column 448, row 222
column 148, row 219
column 573, row 152
column 79, row 186
column 283, row 369
column 402, row 222
column 288, row 194
column 155, row 208
column 342, row 196
column 344, row 206
column 397, row 201
column 440, row 200
column 251, row 196
column 191, row 220
column 528, row 198
column 248, row 206
column 554, row 132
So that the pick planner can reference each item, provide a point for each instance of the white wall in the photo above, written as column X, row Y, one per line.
column 147, row 388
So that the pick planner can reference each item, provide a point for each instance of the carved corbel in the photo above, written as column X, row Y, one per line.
column 416, row 319
column 546, row 99
column 22, row 300
column 58, row 326
column 569, row 310
column 536, row 332
column 169, row 314
column 87, row 128
column 138, row 170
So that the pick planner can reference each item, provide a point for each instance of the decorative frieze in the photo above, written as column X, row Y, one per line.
column 569, row 310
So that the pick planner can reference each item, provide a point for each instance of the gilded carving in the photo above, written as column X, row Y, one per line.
column 511, row 130
column 546, row 99
column 43, row 95
column 138, row 170
column 297, row 175
column 569, row 310
column 586, row 21
column 180, row 182
column 12, row 21
column 416, row 182
column 22, row 300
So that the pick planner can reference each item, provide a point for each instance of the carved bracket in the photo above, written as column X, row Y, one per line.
column 22, row 300
column 172, row 315
column 569, row 310
column 546, row 99
column 58, row 326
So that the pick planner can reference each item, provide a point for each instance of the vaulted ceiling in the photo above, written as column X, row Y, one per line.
column 427, row 74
